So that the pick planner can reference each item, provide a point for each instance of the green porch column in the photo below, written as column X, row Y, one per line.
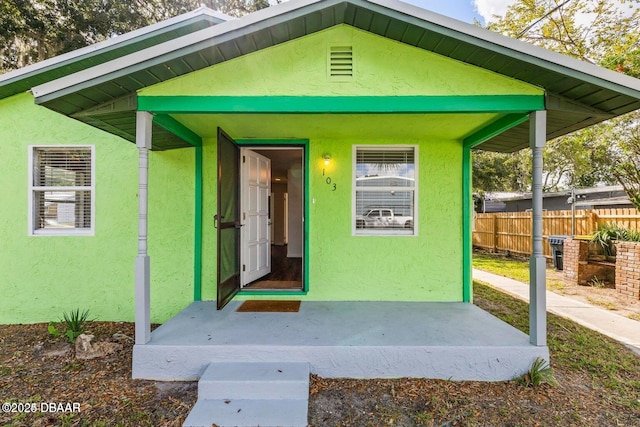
column 142, row 264
column 537, row 262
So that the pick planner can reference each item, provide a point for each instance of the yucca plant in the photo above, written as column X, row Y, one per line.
column 539, row 373
column 75, row 323
column 607, row 233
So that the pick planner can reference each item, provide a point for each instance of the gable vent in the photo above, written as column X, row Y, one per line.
column 340, row 63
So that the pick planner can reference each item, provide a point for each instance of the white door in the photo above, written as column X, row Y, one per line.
column 255, row 187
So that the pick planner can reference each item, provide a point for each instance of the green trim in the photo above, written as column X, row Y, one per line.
column 467, row 218
column 341, row 104
column 272, row 293
column 178, row 129
column 496, row 128
column 282, row 142
column 197, row 251
column 307, row 193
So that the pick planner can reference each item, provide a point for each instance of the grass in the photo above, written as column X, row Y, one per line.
column 574, row 349
column 514, row 268
column 604, row 304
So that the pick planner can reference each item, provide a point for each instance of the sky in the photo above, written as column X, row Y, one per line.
column 483, row 10
column 465, row 10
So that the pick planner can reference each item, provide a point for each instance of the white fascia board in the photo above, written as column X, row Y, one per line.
column 214, row 14
column 517, row 49
column 110, row 44
column 167, row 50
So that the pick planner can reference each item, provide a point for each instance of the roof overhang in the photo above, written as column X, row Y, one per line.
column 578, row 94
column 25, row 78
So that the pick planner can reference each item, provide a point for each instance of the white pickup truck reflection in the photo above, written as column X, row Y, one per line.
column 383, row 218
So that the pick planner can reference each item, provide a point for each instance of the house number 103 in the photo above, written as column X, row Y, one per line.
column 329, row 181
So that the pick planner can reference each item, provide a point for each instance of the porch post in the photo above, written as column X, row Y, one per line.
column 142, row 264
column 537, row 262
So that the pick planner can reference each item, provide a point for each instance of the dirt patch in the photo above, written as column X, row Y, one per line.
column 596, row 293
column 36, row 368
column 602, row 295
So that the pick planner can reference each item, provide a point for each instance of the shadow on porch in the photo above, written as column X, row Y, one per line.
column 342, row 339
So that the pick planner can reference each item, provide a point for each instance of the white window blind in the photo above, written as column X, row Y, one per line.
column 385, row 188
column 62, row 187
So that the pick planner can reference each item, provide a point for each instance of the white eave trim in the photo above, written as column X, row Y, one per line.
column 162, row 52
column 110, row 44
column 523, row 50
column 283, row 12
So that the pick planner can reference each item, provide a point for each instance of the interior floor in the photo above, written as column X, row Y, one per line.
column 286, row 273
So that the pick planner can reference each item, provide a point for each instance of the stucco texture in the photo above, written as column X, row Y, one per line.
column 425, row 267
column 44, row 276
column 382, row 67
column 341, row 266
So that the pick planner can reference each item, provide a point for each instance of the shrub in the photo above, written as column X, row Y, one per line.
column 539, row 373
column 75, row 323
column 607, row 233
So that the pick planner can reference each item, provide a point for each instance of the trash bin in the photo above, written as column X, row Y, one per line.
column 557, row 247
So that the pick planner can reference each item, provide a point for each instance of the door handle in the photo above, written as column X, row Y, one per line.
column 238, row 225
column 215, row 220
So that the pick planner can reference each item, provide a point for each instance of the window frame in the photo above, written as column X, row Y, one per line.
column 400, row 232
column 32, row 189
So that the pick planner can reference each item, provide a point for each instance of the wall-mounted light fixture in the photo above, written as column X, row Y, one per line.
column 327, row 158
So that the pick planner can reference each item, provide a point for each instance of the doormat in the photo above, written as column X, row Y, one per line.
column 269, row 306
column 276, row 284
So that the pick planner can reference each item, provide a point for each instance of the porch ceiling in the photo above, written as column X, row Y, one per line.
column 360, row 126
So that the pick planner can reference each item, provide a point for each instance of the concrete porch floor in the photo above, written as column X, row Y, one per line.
column 347, row 339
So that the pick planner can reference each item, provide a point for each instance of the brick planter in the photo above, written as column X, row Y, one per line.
column 575, row 254
column 628, row 269
column 579, row 269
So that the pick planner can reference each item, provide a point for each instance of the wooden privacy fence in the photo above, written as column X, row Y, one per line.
column 511, row 231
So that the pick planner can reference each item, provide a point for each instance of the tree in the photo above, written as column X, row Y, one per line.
column 501, row 172
column 627, row 157
column 34, row 30
column 604, row 32
column 581, row 159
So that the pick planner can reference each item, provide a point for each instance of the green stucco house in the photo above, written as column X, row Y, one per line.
column 316, row 150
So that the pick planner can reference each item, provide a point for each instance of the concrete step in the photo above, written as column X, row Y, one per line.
column 254, row 380
column 252, row 394
column 248, row 413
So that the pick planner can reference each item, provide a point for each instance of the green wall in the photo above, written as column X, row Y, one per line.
column 171, row 230
column 43, row 276
column 426, row 267
column 383, row 67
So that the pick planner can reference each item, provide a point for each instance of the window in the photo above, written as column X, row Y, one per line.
column 384, row 199
column 61, row 186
